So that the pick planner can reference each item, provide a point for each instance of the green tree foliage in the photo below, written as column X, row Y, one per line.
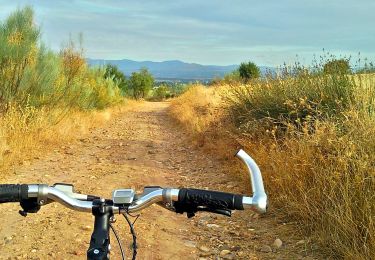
column 161, row 92
column 174, row 88
column 33, row 75
column 113, row 72
column 18, row 52
column 337, row 66
column 140, row 83
column 248, row 71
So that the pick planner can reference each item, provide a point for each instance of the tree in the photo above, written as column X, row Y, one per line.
column 141, row 83
column 113, row 72
column 19, row 40
column 337, row 66
column 249, row 71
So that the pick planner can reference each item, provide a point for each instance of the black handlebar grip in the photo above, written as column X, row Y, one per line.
column 13, row 192
column 192, row 198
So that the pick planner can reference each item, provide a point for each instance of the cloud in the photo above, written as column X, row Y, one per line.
column 208, row 32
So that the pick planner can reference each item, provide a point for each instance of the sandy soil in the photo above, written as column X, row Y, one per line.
column 140, row 147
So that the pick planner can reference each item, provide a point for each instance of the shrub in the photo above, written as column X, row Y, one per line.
column 178, row 89
column 113, row 72
column 18, row 52
column 337, row 66
column 30, row 74
column 248, row 71
column 161, row 92
column 295, row 100
column 95, row 91
column 39, row 88
column 140, row 83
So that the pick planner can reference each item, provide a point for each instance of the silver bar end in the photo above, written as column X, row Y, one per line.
column 258, row 202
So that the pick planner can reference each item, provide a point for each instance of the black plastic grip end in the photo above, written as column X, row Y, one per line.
column 13, row 192
column 192, row 198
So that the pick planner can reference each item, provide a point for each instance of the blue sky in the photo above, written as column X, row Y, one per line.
column 208, row 32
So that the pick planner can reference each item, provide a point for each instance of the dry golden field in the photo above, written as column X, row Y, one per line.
column 314, row 138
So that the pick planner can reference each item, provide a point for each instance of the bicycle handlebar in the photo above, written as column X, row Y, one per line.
column 178, row 200
column 13, row 192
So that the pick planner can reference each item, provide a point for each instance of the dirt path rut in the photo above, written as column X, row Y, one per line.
column 138, row 148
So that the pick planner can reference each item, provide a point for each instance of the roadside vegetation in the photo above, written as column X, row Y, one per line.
column 248, row 71
column 48, row 97
column 142, row 85
column 45, row 96
column 313, row 133
column 167, row 90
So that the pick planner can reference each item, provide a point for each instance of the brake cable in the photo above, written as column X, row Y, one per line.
column 118, row 241
column 131, row 226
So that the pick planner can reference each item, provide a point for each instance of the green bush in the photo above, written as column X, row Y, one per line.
column 178, row 89
column 337, row 66
column 140, row 83
column 18, row 54
column 31, row 74
column 248, row 71
column 160, row 93
column 113, row 72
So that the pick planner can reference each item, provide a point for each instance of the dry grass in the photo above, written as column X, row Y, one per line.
column 325, row 181
column 198, row 108
column 43, row 95
column 26, row 132
column 320, row 173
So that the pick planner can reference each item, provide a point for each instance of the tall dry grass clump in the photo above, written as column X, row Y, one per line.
column 325, row 181
column 42, row 91
column 314, row 136
column 197, row 108
column 201, row 111
column 26, row 132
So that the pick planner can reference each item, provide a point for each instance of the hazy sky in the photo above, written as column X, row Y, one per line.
column 208, row 32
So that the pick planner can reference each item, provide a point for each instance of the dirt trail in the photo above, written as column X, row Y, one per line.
column 140, row 147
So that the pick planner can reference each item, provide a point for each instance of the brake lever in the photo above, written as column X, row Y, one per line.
column 29, row 206
column 191, row 212
column 225, row 212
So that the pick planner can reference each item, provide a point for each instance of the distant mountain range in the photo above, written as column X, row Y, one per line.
column 172, row 70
